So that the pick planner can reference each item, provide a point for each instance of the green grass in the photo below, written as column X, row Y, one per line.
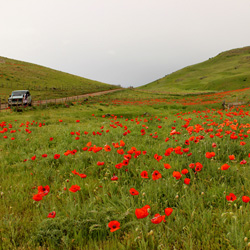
column 43, row 83
column 227, row 71
column 202, row 217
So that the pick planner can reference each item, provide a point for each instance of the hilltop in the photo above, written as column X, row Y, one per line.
column 44, row 82
column 227, row 71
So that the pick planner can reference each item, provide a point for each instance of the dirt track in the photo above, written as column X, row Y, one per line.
column 61, row 100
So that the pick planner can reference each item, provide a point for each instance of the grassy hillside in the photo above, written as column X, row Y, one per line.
column 229, row 70
column 43, row 82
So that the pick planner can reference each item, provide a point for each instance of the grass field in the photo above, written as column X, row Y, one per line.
column 43, row 83
column 227, row 71
column 69, row 172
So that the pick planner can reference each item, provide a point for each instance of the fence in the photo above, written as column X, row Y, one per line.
column 60, row 100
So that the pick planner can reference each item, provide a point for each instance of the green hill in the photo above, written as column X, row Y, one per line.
column 229, row 70
column 43, row 82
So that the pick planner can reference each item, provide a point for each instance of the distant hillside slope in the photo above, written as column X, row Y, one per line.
column 44, row 82
column 229, row 70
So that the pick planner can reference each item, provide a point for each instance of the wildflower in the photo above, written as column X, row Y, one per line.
column 114, row 178
column 158, row 219
column 187, row 181
column 243, row 162
column 225, row 166
column 198, row 167
column 157, row 157
column 114, row 225
column 43, row 190
column 184, row 171
column 231, row 197
column 142, row 212
column 74, row 188
column 144, row 174
column 231, row 157
column 176, row 175
column 56, row 156
column 52, row 214
column 167, row 166
column 100, row 163
column 133, row 191
column 168, row 211
column 156, row 175
column 107, row 148
column 33, row 158
column 245, row 199
column 37, row 197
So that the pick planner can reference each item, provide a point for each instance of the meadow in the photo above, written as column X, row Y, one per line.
column 129, row 170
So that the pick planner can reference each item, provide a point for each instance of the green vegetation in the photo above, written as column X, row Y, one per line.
column 227, row 71
column 43, row 83
column 202, row 217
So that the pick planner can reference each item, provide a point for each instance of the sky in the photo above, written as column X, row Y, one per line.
column 127, row 43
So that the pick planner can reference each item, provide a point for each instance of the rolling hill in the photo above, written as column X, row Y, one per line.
column 229, row 70
column 44, row 82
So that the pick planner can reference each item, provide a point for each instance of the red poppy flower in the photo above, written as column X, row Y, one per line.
column 225, row 166
column 44, row 155
column 51, row 138
column 56, row 156
column 243, row 162
column 210, row 154
column 144, row 174
column 158, row 219
column 82, row 175
column 167, row 166
column 156, row 175
column 133, row 191
column 114, row 178
column 33, row 158
column 119, row 165
column 192, row 165
column 187, row 181
column 100, row 163
column 114, row 225
column 245, row 199
column 231, row 197
column 52, row 214
column 142, row 212
column 231, row 157
column 184, row 171
column 198, row 167
column 43, row 190
column 74, row 172
column 107, row 148
column 176, row 175
column 122, row 143
column 168, row 211
column 74, row 188
column 214, row 145
column 157, row 157
column 120, row 151
column 37, row 197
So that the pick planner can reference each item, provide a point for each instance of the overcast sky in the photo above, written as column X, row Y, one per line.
column 122, row 42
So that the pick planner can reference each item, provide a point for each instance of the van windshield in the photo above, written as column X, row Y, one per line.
column 18, row 93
